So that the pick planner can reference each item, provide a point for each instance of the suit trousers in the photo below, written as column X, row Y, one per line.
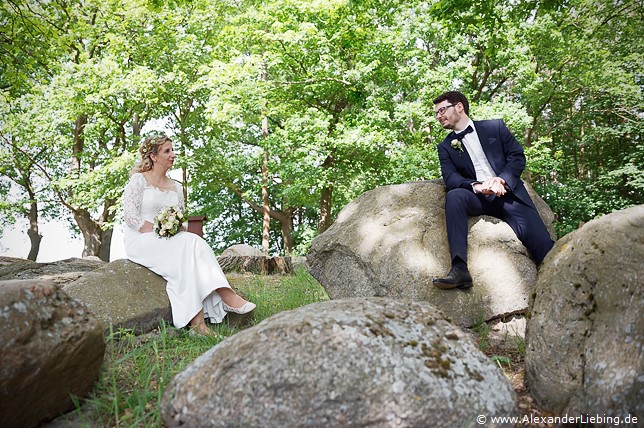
column 522, row 218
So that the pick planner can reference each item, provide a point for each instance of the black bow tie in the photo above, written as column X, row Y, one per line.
column 462, row 134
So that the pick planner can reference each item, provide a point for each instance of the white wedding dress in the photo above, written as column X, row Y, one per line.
column 185, row 260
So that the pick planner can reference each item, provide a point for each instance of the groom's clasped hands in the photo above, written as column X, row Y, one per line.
column 492, row 186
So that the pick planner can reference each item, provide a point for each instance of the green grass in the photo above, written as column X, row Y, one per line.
column 482, row 330
column 277, row 294
column 137, row 368
column 519, row 343
column 502, row 360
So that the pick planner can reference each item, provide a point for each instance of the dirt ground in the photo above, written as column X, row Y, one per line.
column 504, row 343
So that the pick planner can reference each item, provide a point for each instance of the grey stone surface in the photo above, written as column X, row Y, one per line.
column 60, row 272
column 299, row 262
column 514, row 328
column 392, row 242
column 353, row 362
column 6, row 261
column 585, row 335
column 241, row 250
column 51, row 346
column 124, row 294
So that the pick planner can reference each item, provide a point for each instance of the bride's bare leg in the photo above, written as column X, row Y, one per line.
column 230, row 297
column 198, row 324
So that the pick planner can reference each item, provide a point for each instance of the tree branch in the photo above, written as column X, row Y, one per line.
column 26, row 52
column 309, row 81
column 43, row 170
column 288, row 54
column 274, row 214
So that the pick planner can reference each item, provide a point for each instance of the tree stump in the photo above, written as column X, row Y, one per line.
column 253, row 264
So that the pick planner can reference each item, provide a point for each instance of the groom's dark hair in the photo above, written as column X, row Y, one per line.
column 454, row 97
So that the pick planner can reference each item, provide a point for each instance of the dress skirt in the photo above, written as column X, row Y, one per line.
column 189, row 265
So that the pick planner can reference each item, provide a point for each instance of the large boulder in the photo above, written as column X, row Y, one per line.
column 60, row 272
column 51, row 347
column 128, row 295
column 124, row 294
column 392, row 242
column 7, row 260
column 353, row 362
column 585, row 335
column 243, row 250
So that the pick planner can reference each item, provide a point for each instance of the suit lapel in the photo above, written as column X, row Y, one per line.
column 464, row 155
column 468, row 162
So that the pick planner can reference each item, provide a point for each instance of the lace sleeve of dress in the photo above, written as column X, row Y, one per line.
column 132, row 199
column 182, row 202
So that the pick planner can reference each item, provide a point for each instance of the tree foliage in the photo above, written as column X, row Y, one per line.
column 315, row 102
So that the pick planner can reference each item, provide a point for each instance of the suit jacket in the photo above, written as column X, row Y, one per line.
column 503, row 152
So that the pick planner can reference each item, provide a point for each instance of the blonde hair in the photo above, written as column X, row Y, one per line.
column 149, row 147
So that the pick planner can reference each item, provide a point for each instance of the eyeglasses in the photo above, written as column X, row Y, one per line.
column 441, row 111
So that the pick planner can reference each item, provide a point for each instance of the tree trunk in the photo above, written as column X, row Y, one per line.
column 255, row 264
column 326, row 198
column 266, row 223
column 527, row 175
column 286, row 224
column 32, row 232
column 106, row 244
column 79, row 143
column 91, row 232
column 136, row 125
column 325, row 209
column 582, row 152
column 285, row 218
column 97, row 242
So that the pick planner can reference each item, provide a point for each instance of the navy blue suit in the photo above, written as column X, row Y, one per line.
column 505, row 155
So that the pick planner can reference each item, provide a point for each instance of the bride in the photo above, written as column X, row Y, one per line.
column 197, row 287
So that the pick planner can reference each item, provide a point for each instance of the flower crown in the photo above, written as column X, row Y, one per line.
column 151, row 143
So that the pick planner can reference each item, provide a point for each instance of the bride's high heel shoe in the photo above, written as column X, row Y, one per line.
column 246, row 308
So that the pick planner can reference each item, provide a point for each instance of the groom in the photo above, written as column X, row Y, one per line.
column 481, row 163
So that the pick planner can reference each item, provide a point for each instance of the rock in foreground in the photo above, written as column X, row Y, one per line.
column 585, row 336
column 353, row 362
column 51, row 346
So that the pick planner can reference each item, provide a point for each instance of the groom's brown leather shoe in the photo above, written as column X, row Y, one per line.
column 456, row 278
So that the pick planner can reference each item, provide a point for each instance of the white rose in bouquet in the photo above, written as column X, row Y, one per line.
column 168, row 223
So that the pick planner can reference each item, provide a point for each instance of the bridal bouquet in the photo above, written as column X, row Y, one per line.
column 168, row 222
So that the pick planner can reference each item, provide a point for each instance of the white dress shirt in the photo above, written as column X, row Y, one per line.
column 473, row 145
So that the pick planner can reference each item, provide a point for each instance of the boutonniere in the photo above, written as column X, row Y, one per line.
column 457, row 145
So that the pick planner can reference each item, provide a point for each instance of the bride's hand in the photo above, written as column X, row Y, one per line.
column 146, row 228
